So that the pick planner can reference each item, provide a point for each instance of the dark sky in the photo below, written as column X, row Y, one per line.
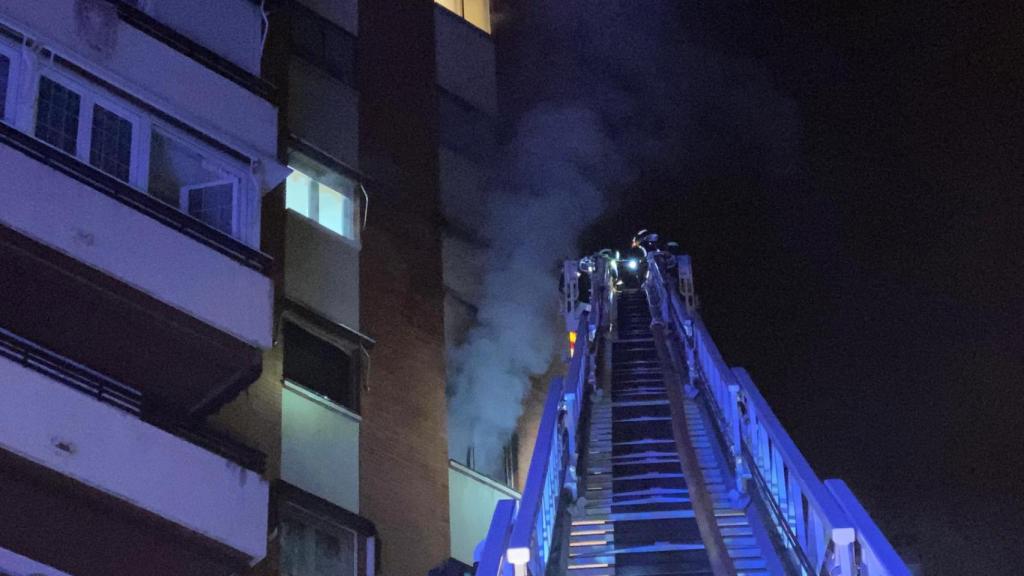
column 849, row 180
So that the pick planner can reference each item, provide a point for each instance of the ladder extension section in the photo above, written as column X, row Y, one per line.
column 613, row 497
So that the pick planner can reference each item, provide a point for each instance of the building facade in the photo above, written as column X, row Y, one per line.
column 136, row 145
column 232, row 236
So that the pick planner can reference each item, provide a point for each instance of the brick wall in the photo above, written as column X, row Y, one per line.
column 404, row 448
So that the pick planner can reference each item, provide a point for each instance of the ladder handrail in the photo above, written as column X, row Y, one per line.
column 826, row 532
column 531, row 526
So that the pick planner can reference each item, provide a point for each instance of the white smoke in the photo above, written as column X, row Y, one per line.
column 553, row 183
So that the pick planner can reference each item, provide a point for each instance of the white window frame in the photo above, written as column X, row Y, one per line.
column 187, row 189
column 215, row 162
column 314, row 201
column 13, row 55
column 21, row 105
column 89, row 97
column 317, row 520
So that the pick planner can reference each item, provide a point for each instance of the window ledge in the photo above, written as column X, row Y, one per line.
column 323, row 401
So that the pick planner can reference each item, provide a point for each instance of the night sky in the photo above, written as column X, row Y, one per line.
column 848, row 178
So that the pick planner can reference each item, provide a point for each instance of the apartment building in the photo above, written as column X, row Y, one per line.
column 232, row 235
column 136, row 144
column 383, row 103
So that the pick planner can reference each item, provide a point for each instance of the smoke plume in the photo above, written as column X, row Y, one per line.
column 556, row 169
column 602, row 95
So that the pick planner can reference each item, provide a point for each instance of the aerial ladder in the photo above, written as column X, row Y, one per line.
column 655, row 457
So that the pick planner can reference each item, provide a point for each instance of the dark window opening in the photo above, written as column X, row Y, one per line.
column 321, row 367
column 5, row 70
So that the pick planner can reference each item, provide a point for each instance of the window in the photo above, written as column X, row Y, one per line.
column 182, row 177
column 71, row 119
column 112, row 133
column 476, row 12
column 314, row 547
column 5, row 71
column 57, row 115
column 111, row 145
column 322, row 196
column 320, row 367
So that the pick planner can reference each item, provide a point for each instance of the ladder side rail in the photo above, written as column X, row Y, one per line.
column 826, row 535
column 738, row 443
column 877, row 556
column 575, row 388
column 492, row 556
column 523, row 546
column 552, row 466
column 824, row 531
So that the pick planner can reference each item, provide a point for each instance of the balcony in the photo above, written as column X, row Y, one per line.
column 91, row 489
column 115, row 280
column 132, row 52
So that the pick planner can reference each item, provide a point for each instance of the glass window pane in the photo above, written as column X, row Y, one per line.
column 319, row 366
column 57, row 115
column 316, row 551
column 332, row 210
column 173, row 167
column 453, row 5
column 296, row 192
column 478, row 13
column 111, row 149
column 5, row 70
column 213, row 204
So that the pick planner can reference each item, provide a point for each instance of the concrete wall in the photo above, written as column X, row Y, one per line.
column 344, row 13
column 465, row 61
column 322, row 270
column 231, row 28
column 324, row 111
column 61, row 212
column 320, row 447
column 471, row 503
column 118, row 454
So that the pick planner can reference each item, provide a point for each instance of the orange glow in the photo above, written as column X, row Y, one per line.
column 572, row 344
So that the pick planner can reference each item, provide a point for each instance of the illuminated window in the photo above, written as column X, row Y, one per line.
column 476, row 12
column 323, row 197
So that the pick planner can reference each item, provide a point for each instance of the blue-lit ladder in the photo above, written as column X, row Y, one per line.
column 618, row 501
